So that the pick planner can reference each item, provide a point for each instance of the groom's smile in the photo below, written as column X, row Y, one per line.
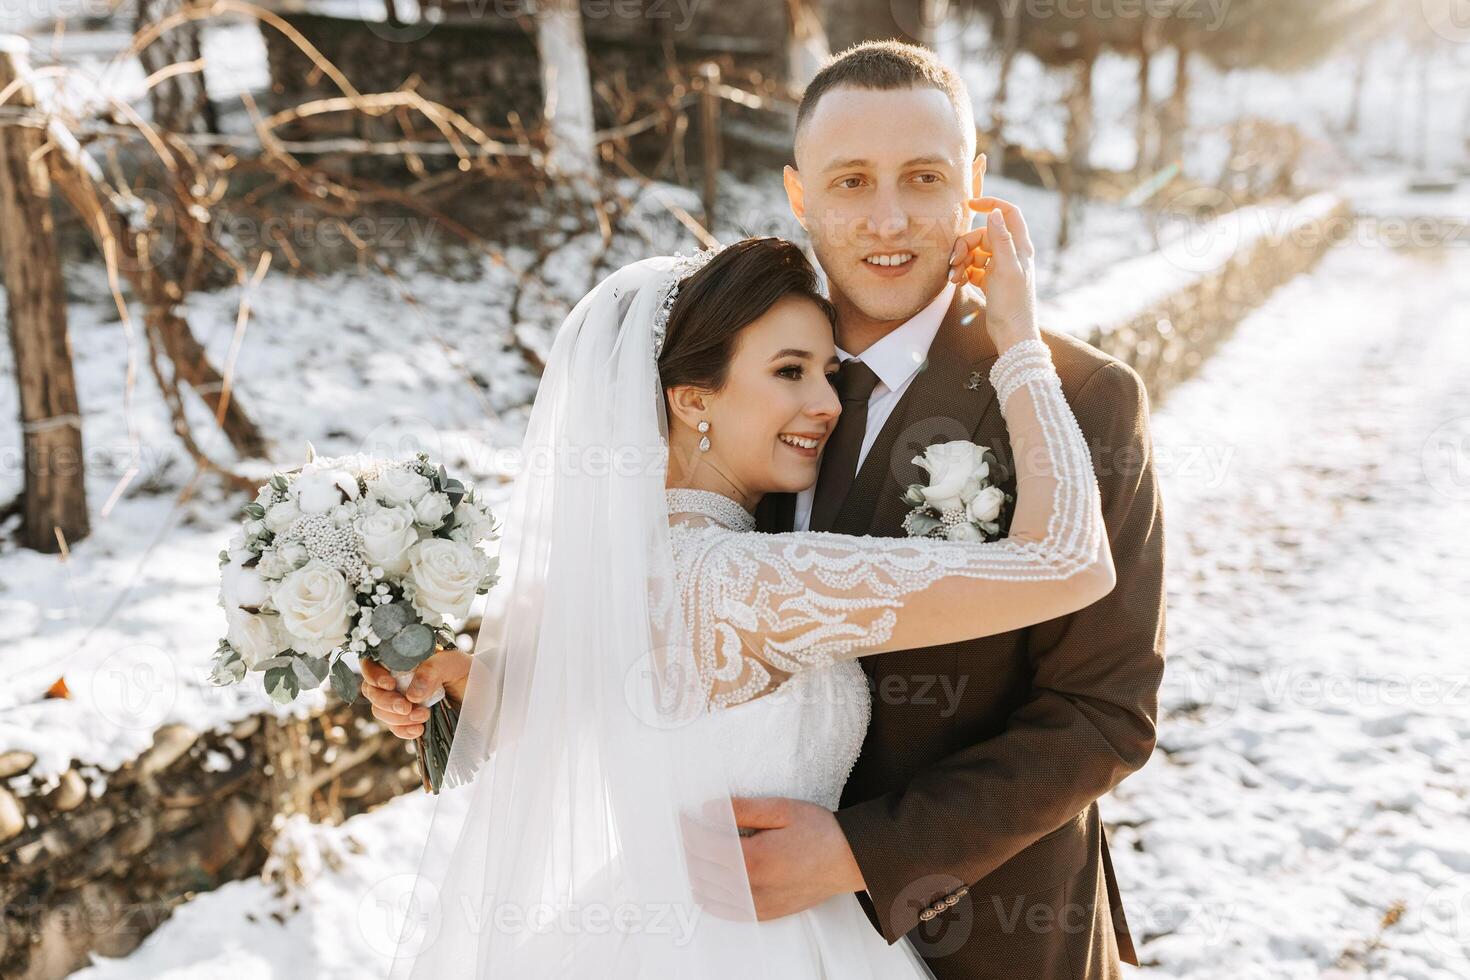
column 890, row 265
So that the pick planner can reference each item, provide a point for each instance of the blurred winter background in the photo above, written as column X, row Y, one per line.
column 229, row 229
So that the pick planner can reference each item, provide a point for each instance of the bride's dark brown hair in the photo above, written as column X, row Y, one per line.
column 734, row 289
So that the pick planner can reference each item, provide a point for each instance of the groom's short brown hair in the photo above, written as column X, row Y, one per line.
column 886, row 66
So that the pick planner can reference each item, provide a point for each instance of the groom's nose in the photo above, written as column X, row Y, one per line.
column 887, row 219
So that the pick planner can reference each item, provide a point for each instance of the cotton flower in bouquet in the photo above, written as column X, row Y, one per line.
column 350, row 557
column 959, row 503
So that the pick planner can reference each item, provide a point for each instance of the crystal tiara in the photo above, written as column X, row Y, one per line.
column 684, row 267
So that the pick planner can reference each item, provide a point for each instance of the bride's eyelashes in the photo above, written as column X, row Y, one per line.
column 791, row 372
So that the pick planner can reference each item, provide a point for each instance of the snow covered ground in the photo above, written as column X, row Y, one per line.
column 1312, row 780
column 1305, row 814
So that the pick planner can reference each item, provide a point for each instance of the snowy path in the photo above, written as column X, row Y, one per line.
column 1314, row 759
column 1313, row 775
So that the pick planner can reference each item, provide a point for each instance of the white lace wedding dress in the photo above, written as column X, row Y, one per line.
column 777, row 618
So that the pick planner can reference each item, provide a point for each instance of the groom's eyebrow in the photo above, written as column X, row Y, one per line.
column 859, row 163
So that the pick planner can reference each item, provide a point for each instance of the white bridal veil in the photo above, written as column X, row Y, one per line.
column 585, row 828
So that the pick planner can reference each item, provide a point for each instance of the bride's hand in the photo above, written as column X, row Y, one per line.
column 998, row 257
column 400, row 712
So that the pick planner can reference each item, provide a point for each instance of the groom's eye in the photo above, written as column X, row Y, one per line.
column 849, row 183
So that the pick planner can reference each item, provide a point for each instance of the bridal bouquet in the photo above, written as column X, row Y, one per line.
column 959, row 503
column 353, row 555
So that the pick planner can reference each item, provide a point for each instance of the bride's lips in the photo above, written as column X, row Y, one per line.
column 803, row 450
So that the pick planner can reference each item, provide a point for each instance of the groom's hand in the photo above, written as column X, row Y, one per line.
column 797, row 858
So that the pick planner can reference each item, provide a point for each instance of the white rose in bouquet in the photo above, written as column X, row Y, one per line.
column 985, row 505
column 399, row 485
column 257, row 638
column 387, row 533
column 472, row 522
column 316, row 607
column 431, row 510
column 446, row 576
column 964, row 532
column 320, row 490
column 282, row 560
column 950, row 465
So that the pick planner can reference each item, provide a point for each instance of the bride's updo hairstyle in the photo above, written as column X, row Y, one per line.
column 714, row 304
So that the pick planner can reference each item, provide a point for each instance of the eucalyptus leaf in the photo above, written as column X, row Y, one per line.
column 346, row 682
column 410, row 647
column 281, row 684
column 229, row 668
column 391, row 617
column 923, row 524
column 310, row 671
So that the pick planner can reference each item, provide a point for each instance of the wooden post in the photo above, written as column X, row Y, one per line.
column 55, row 504
column 709, row 124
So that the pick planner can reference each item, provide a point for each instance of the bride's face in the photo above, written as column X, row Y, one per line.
column 771, row 418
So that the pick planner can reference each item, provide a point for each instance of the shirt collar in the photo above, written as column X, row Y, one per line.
column 897, row 356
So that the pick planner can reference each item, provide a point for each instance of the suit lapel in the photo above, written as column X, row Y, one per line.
column 937, row 406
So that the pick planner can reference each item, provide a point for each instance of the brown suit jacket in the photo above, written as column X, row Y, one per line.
column 972, row 810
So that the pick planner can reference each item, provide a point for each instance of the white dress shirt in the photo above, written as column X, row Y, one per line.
column 895, row 359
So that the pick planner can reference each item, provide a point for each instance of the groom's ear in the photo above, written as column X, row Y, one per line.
column 977, row 175
column 791, row 177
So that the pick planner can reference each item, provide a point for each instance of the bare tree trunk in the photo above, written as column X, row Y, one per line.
column 55, row 502
column 1079, row 146
column 1425, row 109
column 567, row 88
column 1360, row 88
column 1010, row 45
column 806, row 43
column 1148, row 42
column 180, row 102
column 168, row 332
column 1176, row 112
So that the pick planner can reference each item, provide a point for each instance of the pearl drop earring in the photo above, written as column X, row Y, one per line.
column 704, row 443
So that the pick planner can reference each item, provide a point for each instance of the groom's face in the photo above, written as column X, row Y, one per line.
column 880, row 185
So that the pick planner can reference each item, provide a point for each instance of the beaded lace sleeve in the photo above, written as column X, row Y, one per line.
column 761, row 607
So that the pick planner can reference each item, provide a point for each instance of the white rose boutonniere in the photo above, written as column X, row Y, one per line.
column 959, row 503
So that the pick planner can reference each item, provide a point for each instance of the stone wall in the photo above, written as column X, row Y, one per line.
column 93, row 861
column 1165, row 312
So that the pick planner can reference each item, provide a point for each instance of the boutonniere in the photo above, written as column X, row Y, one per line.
column 959, row 503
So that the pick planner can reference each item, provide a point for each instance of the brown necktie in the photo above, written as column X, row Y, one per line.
column 855, row 382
